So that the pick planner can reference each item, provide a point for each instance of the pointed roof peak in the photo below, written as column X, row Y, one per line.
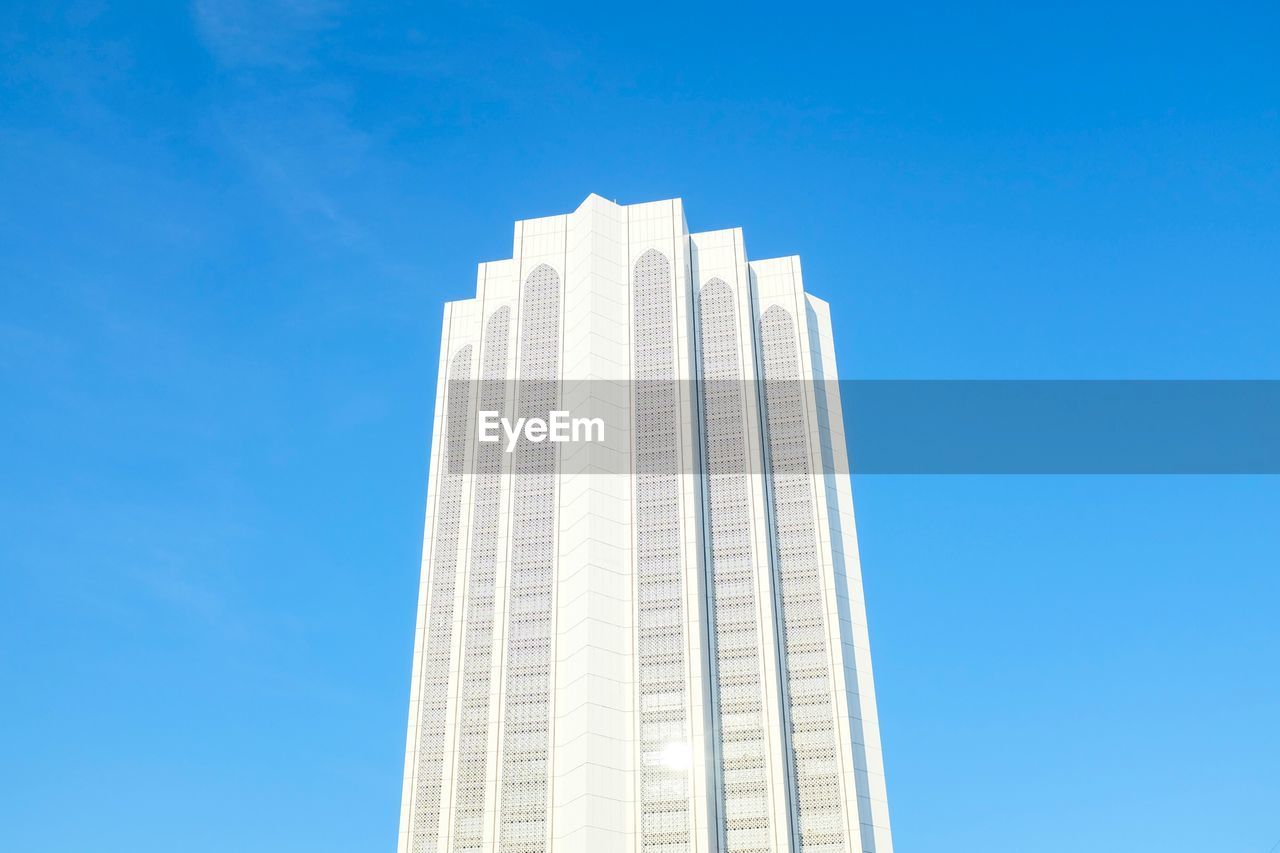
column 595, row 197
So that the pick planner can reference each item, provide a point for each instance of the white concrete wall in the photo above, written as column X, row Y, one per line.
column 592, row 762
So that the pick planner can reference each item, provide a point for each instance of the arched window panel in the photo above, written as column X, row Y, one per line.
column 811, row 711
column 475, row 693
column 434, row 692
column 738, row 681
column 665, row 746
column 523, row 800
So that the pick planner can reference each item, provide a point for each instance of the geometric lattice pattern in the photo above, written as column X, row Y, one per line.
column 809, row 703
column 660, row 662
column 739, row 686
column 433, row 697
column 523, row 805
column 472, row 773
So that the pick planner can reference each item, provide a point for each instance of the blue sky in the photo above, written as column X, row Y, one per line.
column 226, row 230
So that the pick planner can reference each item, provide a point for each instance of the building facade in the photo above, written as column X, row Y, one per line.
column 656, row 644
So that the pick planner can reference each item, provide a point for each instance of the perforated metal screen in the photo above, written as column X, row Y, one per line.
column 739, row 685
column 433, row 696
column 471, row 776
column 806, row 663
column 523, row 803
column 663, row 692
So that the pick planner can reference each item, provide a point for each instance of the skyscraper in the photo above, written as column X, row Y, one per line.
column 655, row 643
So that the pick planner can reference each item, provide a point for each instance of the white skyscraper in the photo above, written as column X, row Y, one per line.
column 657, row 642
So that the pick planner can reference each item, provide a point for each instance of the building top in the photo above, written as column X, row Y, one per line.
column 597, row 235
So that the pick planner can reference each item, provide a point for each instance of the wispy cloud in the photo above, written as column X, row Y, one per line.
column 279, row 33
column 289, row 118
column 299, row 157
column 297, row 100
